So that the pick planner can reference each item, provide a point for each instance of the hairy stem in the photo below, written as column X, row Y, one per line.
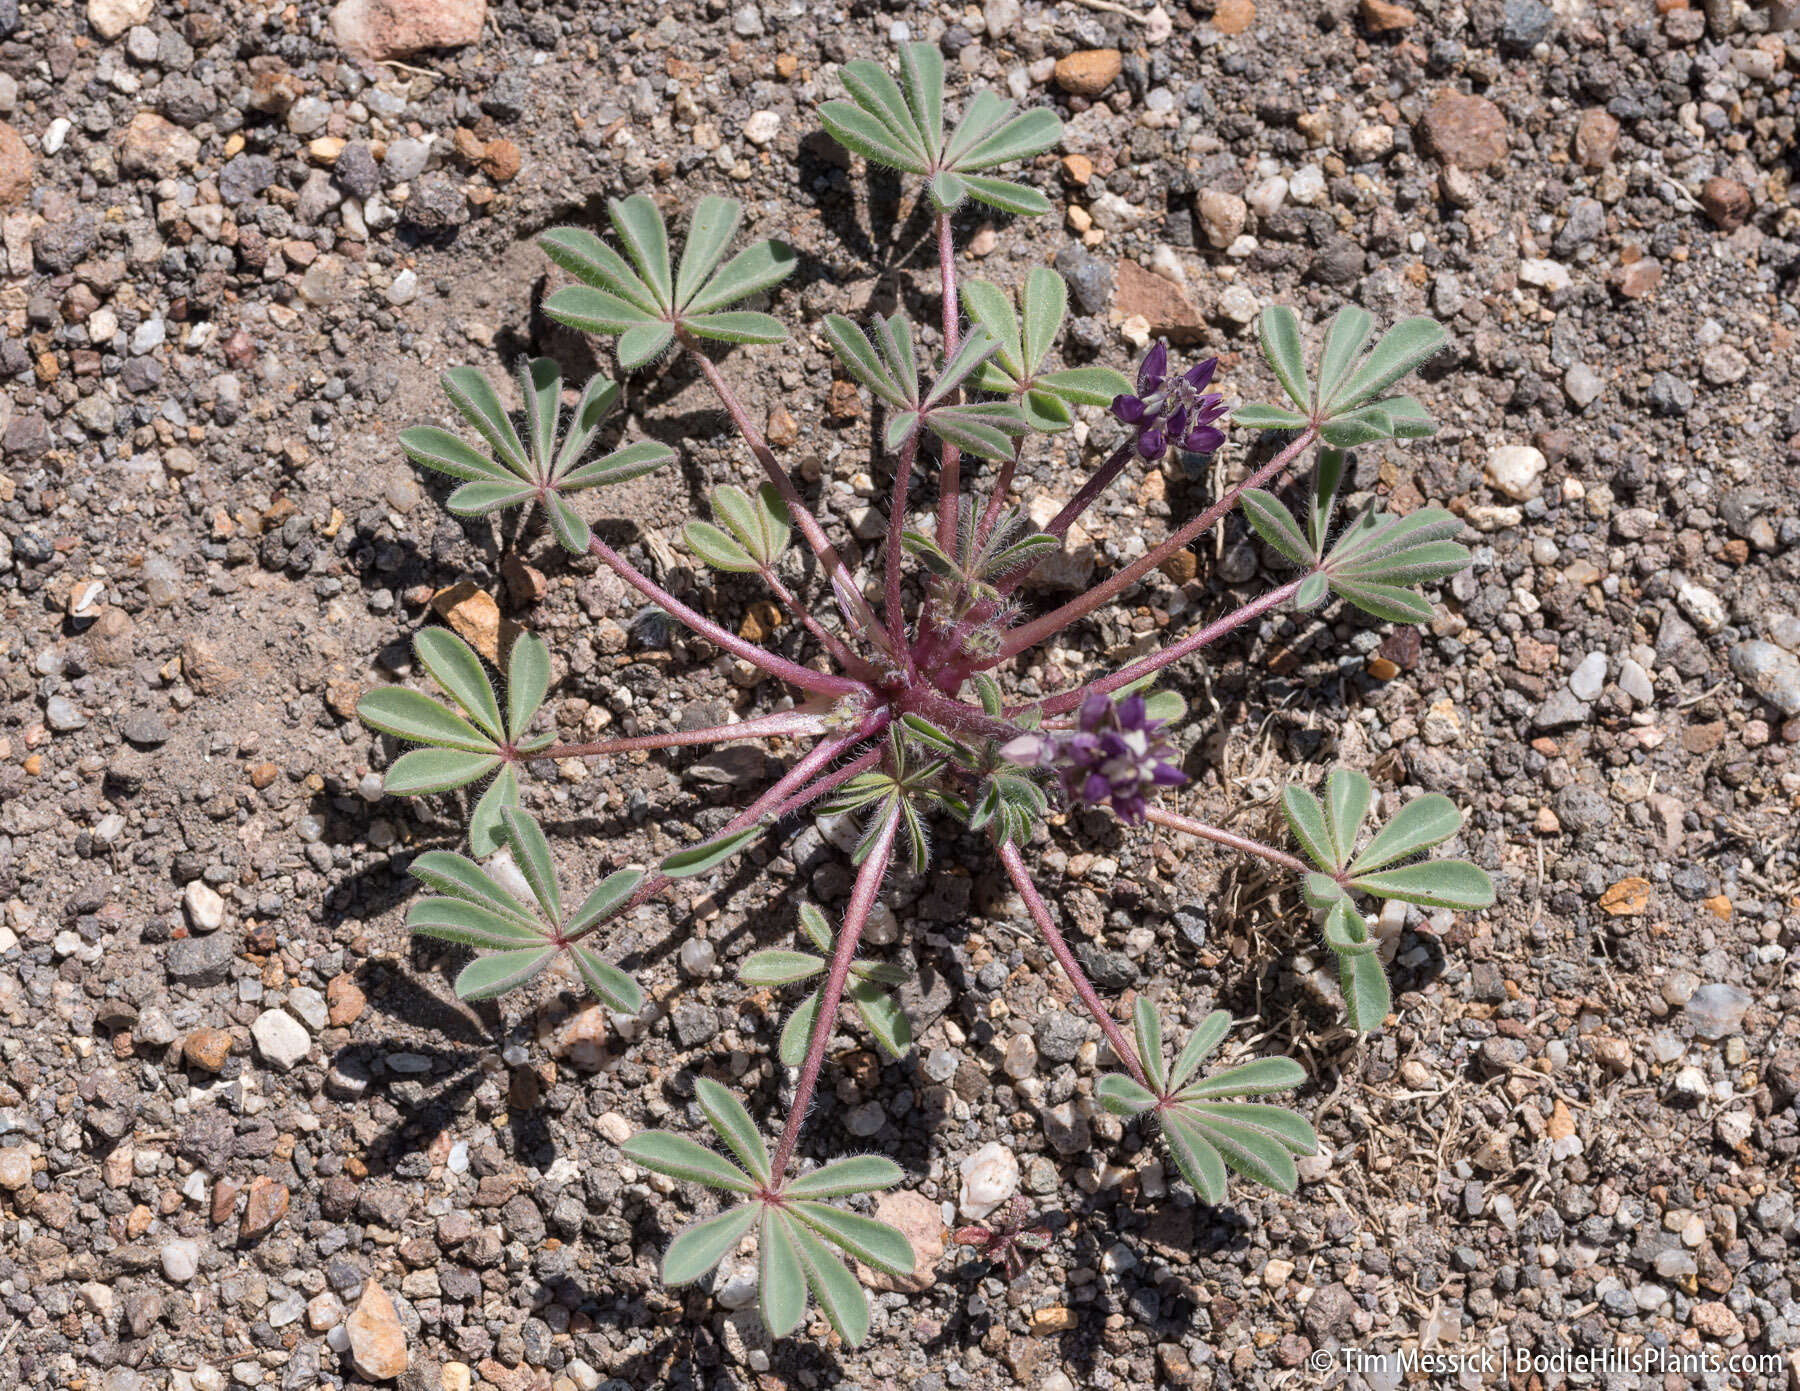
column 862, row 900
column 1174, row 652
column 804, row 677
column 957, row 716
column 797, row 509
column 1084, row 988
column 1219, row 836
column 950, row 469
column 779, row 795
column 1098, row 482
column 997, row 499
column 896, row 550
column 1030, row 634
column 830, row 782
column 782, row 724
column 832, row 643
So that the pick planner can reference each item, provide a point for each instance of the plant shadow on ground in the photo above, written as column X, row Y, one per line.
column 1259, row 983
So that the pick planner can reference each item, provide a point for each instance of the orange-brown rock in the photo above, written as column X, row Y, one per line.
column 1089, row 72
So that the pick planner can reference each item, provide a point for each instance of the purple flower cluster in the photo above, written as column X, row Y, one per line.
column 1177, row 409
column 1115, row 755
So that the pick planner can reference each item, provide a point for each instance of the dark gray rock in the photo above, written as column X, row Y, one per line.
column 1090, row 280
column 199, row 961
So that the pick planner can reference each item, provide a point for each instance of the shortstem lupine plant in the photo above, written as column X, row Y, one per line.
column 905, row 697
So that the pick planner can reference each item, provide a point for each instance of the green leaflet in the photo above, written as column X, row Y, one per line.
column 1122, row 1096
column 495, row 974
column 638, row 224
column 1433, row 884
column 902, row 126
column 471, row 925
column 833, row 1286
column 420, row 772
column 884, row 1018
column 797, row 1032
column 1421, row 824
column 698, row 1248
column 406, row 714
column 781, row 1277
column 863, row 1173
column 871, row 1242
column 776, row 967
column 1278, row 330
column 454, row 666
column 711, row 227
column 727, row 1116
column 531, row 852
column 1344, row 338
column 1271, row 520
column 527, row 682
column 459, row 877
column 606, row 899
column 1147, row 1028
column 678, row 1157
column 1005, row 195
column 487, row 833
column 709, row 855
column 606, row 981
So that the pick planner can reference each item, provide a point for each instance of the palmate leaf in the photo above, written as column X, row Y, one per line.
column 1048, row 399
column 1207, row 1126
column 881, row 1015
column 637, row 297
column 477, row 911
column 901, row 125
column 534, row 467
column 1327, row 832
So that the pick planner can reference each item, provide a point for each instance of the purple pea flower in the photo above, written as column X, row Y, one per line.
column 1177, row 409
column 1115, row 755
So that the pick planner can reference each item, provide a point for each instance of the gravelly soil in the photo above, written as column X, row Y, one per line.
column 235, row 260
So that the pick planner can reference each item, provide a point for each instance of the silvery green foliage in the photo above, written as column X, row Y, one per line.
column 881, row 1014
column 519, row 940
column 905, row 747
column 462, row 746
column 1016, row 368
column 1207, row 1124
column 902, row 126
column 637, row 297
column 545, row 467
column 1387, row 867
column 801, row 1239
